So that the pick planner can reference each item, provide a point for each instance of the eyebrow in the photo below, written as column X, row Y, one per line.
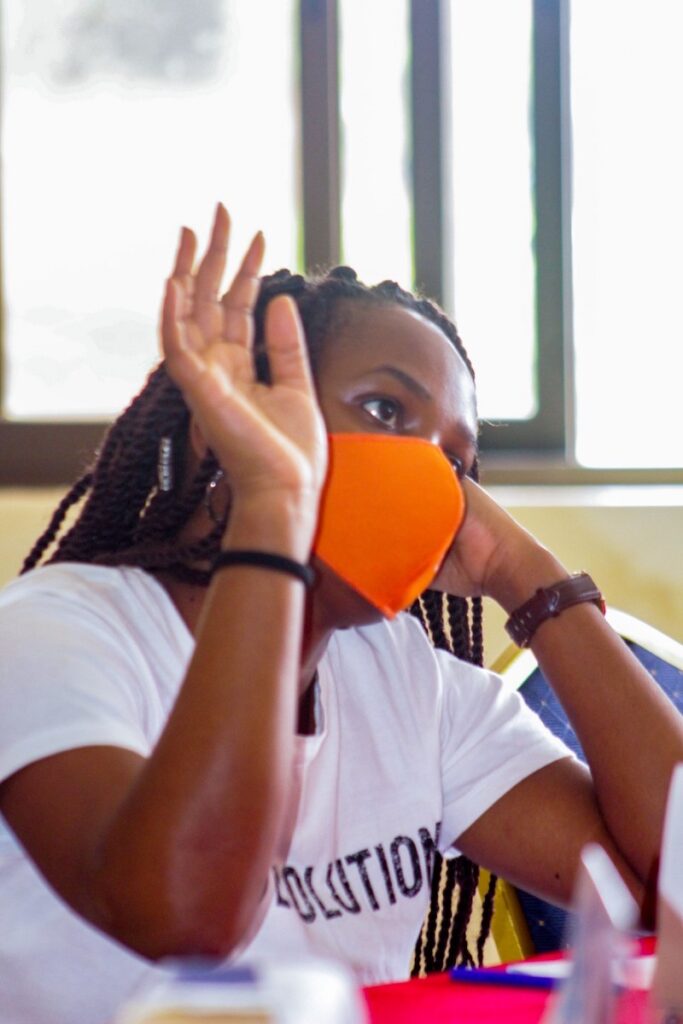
column 421, row 391
column 405, row 379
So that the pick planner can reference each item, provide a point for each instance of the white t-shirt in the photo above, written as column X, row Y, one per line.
column 414, row 747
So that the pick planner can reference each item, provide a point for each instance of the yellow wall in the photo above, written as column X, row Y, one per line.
column 629, row 539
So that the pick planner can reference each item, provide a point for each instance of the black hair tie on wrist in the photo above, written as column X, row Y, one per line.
column 266, row 560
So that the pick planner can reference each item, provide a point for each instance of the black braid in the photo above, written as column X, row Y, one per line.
column 423, row 959
column 450, row 879
column 72, row 497
column 487, row 908
column 127, row 520
column 432, row 602
column 467, row 875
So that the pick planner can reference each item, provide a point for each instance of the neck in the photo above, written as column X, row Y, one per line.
column 313, row 645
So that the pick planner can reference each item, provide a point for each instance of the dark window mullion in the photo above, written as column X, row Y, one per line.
column 566, row 200
column 545, row 433
column 46, row 454
column 430, row 180
column 549, row 156
column 320, row 145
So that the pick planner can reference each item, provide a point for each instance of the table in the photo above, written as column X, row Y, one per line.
column 438, row 1000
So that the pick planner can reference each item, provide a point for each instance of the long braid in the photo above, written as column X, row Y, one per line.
column 432, row 601
column 448, row 882
column 127, row 520
column 477, row 630
column 486, row 916
column 72, row 497
column 124, row 512
column 457, row 612
column 423, row 961
column 467, row 875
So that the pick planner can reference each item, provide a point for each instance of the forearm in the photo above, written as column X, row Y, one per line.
column 183, row 865
column 631, row 734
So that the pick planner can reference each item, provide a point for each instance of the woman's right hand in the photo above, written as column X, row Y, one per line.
column 269, row 439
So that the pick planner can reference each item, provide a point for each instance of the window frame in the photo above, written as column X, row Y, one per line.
column 538, row 450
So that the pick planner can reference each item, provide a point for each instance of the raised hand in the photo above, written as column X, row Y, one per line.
column 269, row 439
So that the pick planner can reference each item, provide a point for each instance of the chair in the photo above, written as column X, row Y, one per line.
column 524, row 924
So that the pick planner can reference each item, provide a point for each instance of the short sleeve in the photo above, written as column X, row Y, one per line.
column 490, row 741
column 67, row 679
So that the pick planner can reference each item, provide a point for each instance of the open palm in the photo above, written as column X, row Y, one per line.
column 269, row 439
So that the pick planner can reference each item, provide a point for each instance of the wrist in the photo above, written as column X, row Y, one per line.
column 267, row 560
column 282, row 526
column 550, row 602
column 519, row 575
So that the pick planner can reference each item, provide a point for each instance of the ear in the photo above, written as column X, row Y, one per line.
column 197, row 440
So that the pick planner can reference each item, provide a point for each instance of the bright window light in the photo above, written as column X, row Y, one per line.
column 374, row 85
column 493, row 222
column 122, row 121
column 627, row 83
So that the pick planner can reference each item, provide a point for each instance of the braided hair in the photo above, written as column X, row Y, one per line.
column 126, row 519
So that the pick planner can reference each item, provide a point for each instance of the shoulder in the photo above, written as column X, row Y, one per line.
column 73, row 582
column 91, row 656
column 81, row 625
column 100, row 598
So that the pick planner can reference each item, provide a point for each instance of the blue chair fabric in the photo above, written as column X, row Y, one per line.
column 549, row 925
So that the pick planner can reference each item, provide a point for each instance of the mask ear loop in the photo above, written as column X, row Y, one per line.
column 209, row 496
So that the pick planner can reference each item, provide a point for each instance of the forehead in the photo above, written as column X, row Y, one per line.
column 366, row 337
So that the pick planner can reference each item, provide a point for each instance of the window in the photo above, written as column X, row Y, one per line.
column 426, row 140
column 375, row 140
column 627, row 228
column 493, row 274
column 120, row 122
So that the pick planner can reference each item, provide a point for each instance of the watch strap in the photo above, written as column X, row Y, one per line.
column 549, row 602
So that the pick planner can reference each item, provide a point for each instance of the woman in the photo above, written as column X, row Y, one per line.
column 207, row 749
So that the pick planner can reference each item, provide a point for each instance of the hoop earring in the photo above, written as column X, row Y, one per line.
column 165, row 464
column 209, row 495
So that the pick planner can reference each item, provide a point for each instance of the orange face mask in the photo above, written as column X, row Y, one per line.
column 390, row 509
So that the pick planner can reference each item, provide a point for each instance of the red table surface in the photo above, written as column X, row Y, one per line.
column 438, row 1000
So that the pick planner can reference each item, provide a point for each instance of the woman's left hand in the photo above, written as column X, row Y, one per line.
column 493, row 556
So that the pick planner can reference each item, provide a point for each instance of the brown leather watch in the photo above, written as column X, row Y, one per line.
column 548, row 603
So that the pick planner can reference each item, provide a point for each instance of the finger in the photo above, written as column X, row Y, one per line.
column 171, row 330
column 286, row 345
column 187, row 247
column 175, row 336
column 212, row 267
column 238, row 301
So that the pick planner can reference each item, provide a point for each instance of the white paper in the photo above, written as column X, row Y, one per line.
column 667, row 986
column 671, row 861
column 603, row 910
column 634, row 972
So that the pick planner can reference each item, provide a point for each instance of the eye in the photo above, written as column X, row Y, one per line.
column 386, row 410
column 457, row 464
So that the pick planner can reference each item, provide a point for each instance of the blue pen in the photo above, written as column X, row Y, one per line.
column 505, row 979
